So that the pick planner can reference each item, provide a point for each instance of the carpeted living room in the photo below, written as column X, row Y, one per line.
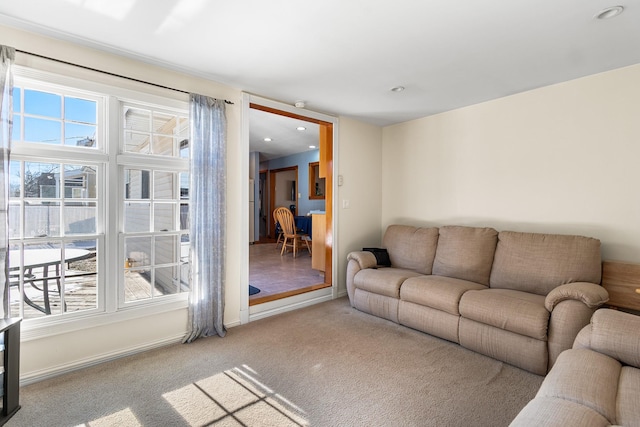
column 477, row 256
column 325, row 365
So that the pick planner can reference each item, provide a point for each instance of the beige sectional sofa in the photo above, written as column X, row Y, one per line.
column 597, row 383
column 518, row 297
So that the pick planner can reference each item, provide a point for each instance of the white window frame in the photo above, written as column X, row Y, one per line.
column 153, row 163
column 107, row 153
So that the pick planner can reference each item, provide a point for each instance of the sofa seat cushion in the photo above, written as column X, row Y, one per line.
column 513, row 311
column 585, row 377
column 383, row 281
column 441, row 293
column 628, row 392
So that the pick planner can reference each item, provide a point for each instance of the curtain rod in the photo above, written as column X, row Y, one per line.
column 108, row 73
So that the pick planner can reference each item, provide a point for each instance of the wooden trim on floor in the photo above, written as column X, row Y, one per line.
column 269, row 298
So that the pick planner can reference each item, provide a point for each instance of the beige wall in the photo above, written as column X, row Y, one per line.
column 360, row 160
column 563, row 158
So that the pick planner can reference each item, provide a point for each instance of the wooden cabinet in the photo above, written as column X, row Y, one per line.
column 319, row 227
column 622, row 281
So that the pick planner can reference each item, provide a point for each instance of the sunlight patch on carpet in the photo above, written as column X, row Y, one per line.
column 233, row 397
column 124, row 418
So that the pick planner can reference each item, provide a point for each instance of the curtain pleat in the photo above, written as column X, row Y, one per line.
column 207, row 216
column 7, row 55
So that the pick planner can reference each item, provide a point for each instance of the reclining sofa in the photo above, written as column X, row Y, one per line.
column 595, row 384
column 517, row 297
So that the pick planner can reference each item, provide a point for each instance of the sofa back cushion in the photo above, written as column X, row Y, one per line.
column 538, row 263
column 411, row 247
column 465, row 253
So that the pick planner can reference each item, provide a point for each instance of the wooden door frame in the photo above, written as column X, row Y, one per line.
column 326, row 167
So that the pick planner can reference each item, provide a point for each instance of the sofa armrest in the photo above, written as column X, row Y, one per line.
column 592, row 295
column 357, row 261
column 614, row 333
column 365, row 259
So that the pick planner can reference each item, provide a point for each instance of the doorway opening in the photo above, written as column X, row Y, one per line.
column 283, row 179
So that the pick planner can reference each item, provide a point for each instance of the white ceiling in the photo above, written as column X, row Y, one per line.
column 343, row 56
column 285, row 137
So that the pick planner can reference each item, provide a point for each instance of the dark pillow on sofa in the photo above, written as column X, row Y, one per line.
column 382, row 256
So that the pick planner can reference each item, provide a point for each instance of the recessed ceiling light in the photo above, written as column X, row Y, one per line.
column 267, row 139
column 301, row 128
column 609, row 12
column 397, row 89
column 312, row 146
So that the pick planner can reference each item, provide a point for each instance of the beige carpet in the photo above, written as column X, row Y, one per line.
column 326, row 365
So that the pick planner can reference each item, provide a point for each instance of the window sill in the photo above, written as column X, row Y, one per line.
column 62, row 325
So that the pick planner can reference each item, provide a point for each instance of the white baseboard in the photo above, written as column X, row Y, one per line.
column 36, row 376
column 265, row 310
column 262, row 311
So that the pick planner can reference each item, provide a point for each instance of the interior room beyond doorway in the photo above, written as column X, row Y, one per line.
column 281, row 175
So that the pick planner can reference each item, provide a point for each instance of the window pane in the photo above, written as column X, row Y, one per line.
column 137, row 217
column 80, row 110
column 17, row 127
column 184, row 263
column 79, row 135
column 51, row 198
column 163, row 145
column 184, row 277
column 17, row 101
column 164, row 216
column 41, row 219
column 15, row 179
column 166, row 281
column 15, row 296
column 166, row 250
column 137, row 119
column 184, row 186
column 42, row 130
column 40, row 261
column 42, row 104
column 137, row 251
column 137, row 184
column 80, row 182
column 135, row 142
column 184, row 216
column 14, row 220
column 163, row 185
column 137, row 284
column 80, row 279
column 41, row 180
column 164, row 123
column 183, row 132
column 80, row 218
column 184, row 148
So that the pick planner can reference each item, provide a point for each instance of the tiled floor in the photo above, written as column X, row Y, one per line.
column 274, row 274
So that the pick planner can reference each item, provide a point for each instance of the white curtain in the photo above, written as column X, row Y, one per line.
column 207, row 217
column 7, row 55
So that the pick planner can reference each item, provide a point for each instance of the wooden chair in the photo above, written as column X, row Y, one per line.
column 292, row 239
column 278, row 228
